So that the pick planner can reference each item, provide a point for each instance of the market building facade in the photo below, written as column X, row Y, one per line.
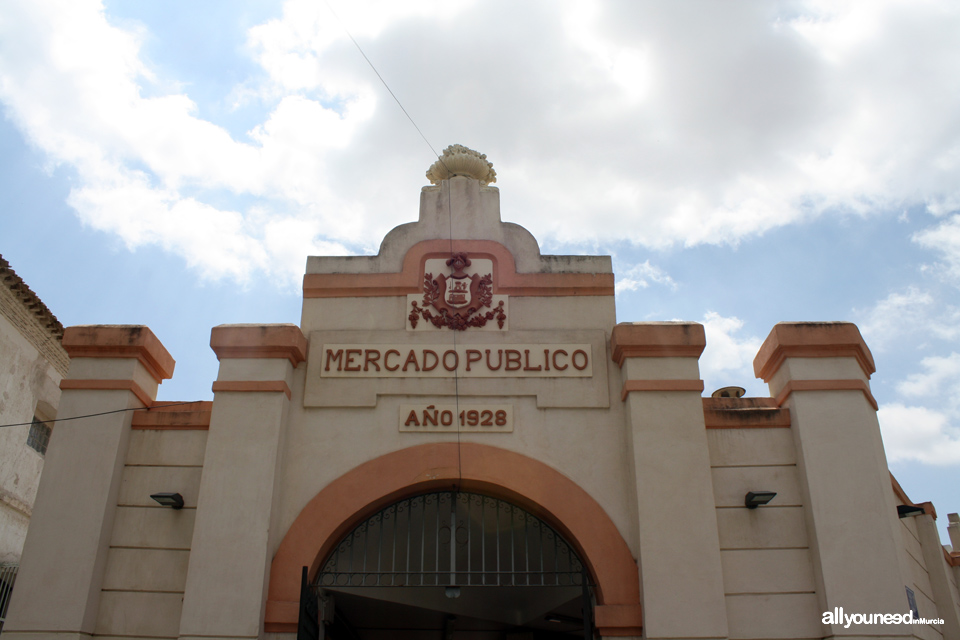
column 460, row 441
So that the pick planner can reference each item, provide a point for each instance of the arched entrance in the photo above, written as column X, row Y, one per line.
column 454, row 564
column 535, row 487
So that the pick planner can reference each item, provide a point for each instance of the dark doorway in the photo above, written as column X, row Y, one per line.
column 454, row 565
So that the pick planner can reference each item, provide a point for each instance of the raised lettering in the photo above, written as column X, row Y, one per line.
column 337, row 357
column 370, row 357
column 555, row 365
column 388, row 360
column 438, row 418
column 526, row 360
column 411, row 358
column 456, row 360
column 349, row 358
column 499, row 360
column 513, row 360
column 436, row 359
column 586, row 359
column 473, row 356
column 386, row 356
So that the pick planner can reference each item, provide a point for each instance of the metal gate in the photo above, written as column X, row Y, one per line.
column 8, row 576
column 455, row 539
column 452, row 539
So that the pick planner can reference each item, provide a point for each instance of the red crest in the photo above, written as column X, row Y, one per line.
column 457, row 299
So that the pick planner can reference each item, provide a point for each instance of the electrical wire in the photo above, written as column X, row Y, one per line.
column 102, row 413
column 386, row 86
column 456, row 374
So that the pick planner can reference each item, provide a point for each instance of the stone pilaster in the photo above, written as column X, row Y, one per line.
column 820, row 372
column 229, row 558
column 112, row 368
column 938, row 569
column 680, row 571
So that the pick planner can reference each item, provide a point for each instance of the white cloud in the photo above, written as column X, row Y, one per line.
column 945, row 239
column 74, row 84
column 650, row 123
column 930, row 433
column 910, row 313
column 641, row 275
column 941, row 372
column 728, row 358
column 920, row 434
column 216, row 241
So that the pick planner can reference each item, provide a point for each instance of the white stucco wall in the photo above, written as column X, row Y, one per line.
column 29, row 386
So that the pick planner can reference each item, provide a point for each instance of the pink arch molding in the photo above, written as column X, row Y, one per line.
column 533, row 485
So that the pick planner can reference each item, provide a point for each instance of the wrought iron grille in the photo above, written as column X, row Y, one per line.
column 8, row 576
column 452, row 538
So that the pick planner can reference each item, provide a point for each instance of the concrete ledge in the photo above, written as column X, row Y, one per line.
column 259, row 341
column 660, row 385
column 120, row 341
column 811, row 340
column 826, row 385
column 174, row 415
column 252, row 386
column 744, row 413
column 657, row 340
column 506, row 281
column 109, row 385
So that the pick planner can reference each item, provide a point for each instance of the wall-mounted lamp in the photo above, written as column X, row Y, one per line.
column 452, row 592
column 909, row 510
column 754, row 499
column 562, row 619
column 173, row 500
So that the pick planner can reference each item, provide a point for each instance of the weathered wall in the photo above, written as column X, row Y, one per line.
column 29, row 379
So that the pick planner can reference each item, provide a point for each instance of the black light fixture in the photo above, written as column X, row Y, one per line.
column 452, row 592
column 172, row 500
column 562, row 619
column 754, row 499
column 909, row 510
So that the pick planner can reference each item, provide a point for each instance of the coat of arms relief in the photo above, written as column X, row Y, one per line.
column 459, row 299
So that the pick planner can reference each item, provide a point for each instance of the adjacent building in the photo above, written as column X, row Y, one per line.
column 32, row 364
column 459, row 440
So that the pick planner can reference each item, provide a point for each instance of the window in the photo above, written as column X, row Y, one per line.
column 39, row 436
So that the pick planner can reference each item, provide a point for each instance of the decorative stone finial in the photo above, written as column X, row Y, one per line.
column 457, row 160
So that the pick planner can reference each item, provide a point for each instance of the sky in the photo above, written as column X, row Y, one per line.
column 744, row 163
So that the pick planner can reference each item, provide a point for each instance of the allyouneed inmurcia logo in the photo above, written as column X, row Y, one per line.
column 837, row 616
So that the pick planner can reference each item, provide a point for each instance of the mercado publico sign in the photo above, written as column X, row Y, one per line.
column 463, row 361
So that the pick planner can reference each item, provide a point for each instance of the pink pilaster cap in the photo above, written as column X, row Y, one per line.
column 811, row 340
column 120, row 341
column 657, row 340
column 259, row 341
